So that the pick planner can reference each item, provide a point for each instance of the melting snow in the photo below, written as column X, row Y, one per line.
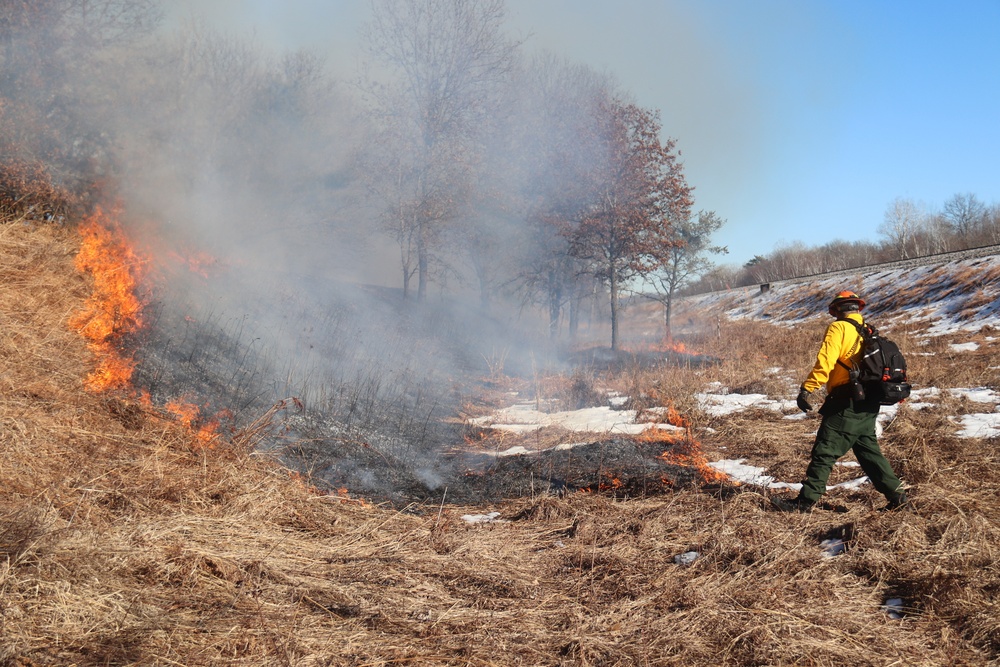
column 977, row 395
column 524, row 418
column 492, row 517
column 833, row 547
column 686, row 558
column 980, row 425
column 964, row 347
column 720, row 405
column 738, row 470
column 617, row 400
column 894, row 607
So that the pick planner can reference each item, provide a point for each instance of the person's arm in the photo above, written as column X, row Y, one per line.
column 826, row 360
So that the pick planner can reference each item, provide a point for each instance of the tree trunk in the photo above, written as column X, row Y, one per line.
column 422, row 263
column 554, row 316
column 668, row 307
column 555, row 304
column 614, row 311
column 575, row 304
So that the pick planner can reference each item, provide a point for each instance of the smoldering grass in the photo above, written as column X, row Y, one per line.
column 364, row 385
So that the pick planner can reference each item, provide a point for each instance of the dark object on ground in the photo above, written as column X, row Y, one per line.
column 618, row 466
column 792, row 504
column 898, row 504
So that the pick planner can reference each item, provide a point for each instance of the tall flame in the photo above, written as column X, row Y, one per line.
column 114, row 309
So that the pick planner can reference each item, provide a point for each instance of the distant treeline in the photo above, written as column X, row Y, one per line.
column 909, row 230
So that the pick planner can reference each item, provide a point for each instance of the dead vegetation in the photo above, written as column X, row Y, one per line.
column 123, row 541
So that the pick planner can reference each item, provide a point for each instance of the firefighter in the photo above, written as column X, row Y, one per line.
column 848, row 424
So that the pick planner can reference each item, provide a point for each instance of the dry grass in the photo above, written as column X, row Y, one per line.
column 123, row 543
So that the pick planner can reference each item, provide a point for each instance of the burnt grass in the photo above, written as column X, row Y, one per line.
column 617, row 467
column 394, row 471
column 373, row 419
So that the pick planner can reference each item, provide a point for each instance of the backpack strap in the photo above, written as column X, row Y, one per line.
column 863, row 333
column 862, row 329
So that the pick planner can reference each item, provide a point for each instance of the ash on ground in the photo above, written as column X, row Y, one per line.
column 619, row 466
column 389, row 469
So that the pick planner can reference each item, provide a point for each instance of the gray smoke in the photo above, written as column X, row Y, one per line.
column 274, row 275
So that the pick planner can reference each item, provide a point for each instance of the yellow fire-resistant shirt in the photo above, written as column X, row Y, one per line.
column 842, row 341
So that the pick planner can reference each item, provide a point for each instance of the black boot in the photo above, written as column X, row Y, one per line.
column 798, row 504
column 897, row 502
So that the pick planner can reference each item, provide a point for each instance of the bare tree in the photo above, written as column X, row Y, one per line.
column 686, row 259
column 901, row 222
column 992, row 231
column 964, row 213
column 447, row 58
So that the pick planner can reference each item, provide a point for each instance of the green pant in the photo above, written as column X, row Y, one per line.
column 848, row 425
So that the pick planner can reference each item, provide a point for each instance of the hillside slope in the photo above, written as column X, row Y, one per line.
column 125, row 542
column 939, row 296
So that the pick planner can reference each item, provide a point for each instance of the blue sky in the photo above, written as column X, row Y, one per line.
column 798, row 121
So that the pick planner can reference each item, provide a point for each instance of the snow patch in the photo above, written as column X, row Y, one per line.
column 979, row 426
column 894, row 608
column 738, row 470
column 686, row 558
column 720, row 405
column 524, row 418
column 977, row 395
column 492, row 517
column 833, row 547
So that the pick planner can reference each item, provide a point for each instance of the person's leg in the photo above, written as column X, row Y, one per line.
column 830, row 445
column 875, row 465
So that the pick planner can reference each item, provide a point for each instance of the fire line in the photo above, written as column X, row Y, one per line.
column 113, row 311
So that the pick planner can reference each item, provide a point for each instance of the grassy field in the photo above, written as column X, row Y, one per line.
column 127, row 540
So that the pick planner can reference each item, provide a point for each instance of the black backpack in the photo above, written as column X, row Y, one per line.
column 880, row 373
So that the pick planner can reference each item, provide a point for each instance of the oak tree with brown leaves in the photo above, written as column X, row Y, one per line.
column 637, row 194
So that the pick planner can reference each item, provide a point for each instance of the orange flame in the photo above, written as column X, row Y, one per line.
column 113, row 310
column 689, row 454
column 684, row 450
column 613, row 483
column 344, row 496
column 675, row 346
column 664, row 345
column 206, row 431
